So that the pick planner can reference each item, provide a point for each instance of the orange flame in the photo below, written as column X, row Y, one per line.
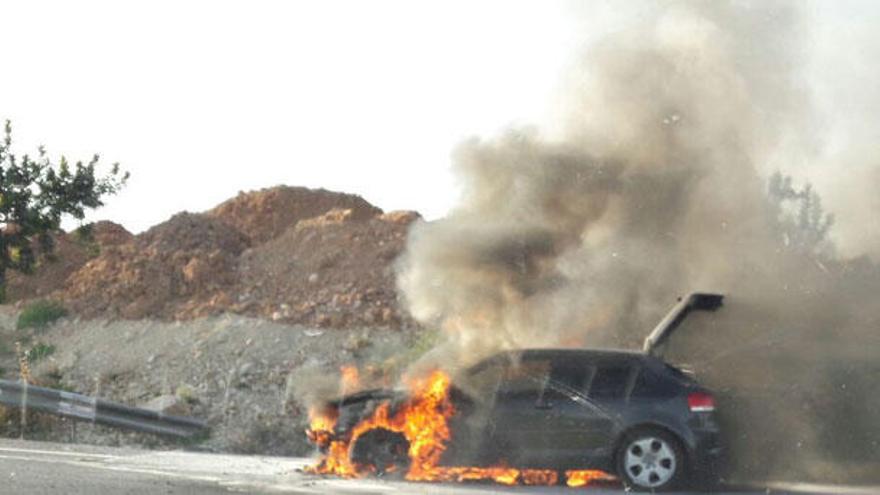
column 423, row 421
column 585, row 477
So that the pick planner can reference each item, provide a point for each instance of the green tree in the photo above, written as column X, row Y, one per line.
column 802, row 220
column 35, row 195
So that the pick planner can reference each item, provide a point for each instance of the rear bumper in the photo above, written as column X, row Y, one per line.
column 709, row 457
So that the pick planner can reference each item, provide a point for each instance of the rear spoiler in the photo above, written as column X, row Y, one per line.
column 697, row 301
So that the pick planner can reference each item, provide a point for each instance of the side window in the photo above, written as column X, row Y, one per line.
column 525, row 380
column 482, row 380
column 567, row 379
column 610, row 382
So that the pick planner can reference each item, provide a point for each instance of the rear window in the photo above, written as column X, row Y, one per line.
column 610, row 382
column 652, row 385
column 682, row 374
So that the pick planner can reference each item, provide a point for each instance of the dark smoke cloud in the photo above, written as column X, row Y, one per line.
column 654, row 184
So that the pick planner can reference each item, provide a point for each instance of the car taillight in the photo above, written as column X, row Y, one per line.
column 701, row 402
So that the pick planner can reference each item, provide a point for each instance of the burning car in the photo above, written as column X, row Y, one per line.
column 535, row 416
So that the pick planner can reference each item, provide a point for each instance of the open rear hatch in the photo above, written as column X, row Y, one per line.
column 697, row 301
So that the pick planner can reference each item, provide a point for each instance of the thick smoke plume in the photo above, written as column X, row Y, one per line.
column 655, row 183
column 651, row 187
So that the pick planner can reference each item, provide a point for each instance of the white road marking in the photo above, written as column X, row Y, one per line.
column 57, row 453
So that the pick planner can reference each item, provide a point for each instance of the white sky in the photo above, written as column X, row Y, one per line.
column 200, row 100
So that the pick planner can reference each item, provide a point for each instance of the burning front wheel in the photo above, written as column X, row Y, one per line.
column 382, row 451
column 650, row 459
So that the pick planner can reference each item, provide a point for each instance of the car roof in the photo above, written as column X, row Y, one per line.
column 575, row 354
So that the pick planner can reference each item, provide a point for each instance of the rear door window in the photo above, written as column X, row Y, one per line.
column 610, row 382
column 482, row 380
column 567, row 380
column 525, row 380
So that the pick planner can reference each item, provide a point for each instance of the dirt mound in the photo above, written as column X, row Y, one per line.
column 107, row 233
column 267, row 213
column 286, row 253
column 50, row 271
column 331, row 271
column 72, row 251
column 177, row 269
column 192, row 232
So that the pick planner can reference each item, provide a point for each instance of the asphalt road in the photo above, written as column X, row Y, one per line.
column 43, row 468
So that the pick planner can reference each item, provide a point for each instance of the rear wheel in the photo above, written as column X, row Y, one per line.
column 382, row 451
column 651, row 459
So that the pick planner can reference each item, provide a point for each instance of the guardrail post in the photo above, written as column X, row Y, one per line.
column 72, row 424
column 24, row 400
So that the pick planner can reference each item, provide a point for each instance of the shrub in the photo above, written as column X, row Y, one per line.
column 84, row 235
column 39, row 351
column 40, row 314
column 186, row 394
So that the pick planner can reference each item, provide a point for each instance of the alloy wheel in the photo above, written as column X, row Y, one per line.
column 650, row 462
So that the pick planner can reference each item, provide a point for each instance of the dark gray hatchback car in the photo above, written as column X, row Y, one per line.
column 627, row 413
column 621, row 412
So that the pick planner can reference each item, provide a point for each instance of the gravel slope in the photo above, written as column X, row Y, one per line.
column 250, row 378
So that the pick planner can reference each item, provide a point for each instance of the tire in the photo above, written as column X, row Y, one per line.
column 382, row 451
column 651, row 459
column 561, row 478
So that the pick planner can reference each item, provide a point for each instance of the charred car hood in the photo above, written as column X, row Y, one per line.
column 367, row 395
column 354, row 407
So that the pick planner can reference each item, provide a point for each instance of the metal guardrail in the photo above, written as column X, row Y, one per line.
column 84, row 408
